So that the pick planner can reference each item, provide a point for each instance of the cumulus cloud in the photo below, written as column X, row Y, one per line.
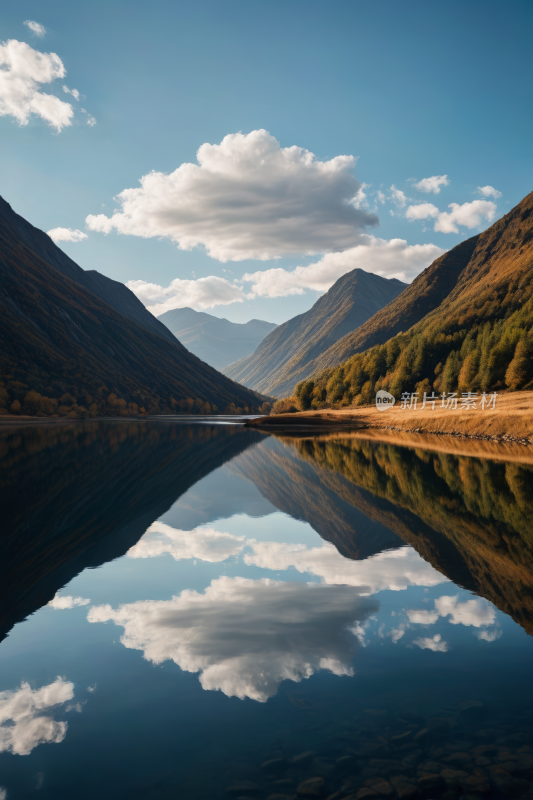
column 393, row 569
column 246, row 636
column 390, row 259
column 474, row 612
column 66, row 235
column 68, row 602
column 247, row 197
column 469, row 215
column 436, row 644
column 489, row 191
column 74, row 92
column 422, row 211
column 36, row 28
column 198, row 294
column 206, row 543
column 3, row 793
column 432, row 184
column 398, row 197
column 22, row 70
column 24, row 723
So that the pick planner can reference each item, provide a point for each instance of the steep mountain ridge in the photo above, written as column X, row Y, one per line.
column 424, row 294
column 61, row 340
column 112, row 292
column 216, row 341
column 287, row 355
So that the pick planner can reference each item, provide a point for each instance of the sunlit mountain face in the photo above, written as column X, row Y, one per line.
column 205, row 611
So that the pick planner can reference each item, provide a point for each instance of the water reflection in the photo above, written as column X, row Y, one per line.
column 80, row 495
column 246, row 636
column 470, row 518
column 367, row 655
column 25, row 720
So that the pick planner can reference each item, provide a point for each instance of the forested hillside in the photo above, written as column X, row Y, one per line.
column 479, row 338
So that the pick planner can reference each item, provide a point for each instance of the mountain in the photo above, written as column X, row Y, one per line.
column 113, row 292
column 78, row 495
column 61, row 340
column 467, row 324
column 216, row 341
column 287, row 355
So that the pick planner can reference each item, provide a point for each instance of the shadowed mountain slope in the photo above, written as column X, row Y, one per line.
column 288, row 354
column 57, row 336
column 216, row 341
column 478, row 338
column 113, row 292
column 80, row 495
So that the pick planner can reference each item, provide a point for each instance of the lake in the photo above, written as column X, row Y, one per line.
column 198, row 610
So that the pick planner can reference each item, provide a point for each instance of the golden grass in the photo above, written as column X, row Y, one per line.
column 512, row 419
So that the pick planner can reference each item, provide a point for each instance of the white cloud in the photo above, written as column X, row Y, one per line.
column 422, row 211
column 474, row 612
column 489, row 636
column 246, row 636
column 398, row 197
column 22, row 70
column 206, row 543
column 432, row 184
column 436, row 644
column 66, row 235
column 380, row 197
column 198, row 294
column 246, row 198
column 469, row 215
column 68, row 602
column 36, row 28
column 390, row 259
column 489, row 191
column 422, row 616
column 3, row 793
column 394, row 569
column 23, row 721
column 91, row 121
column 74, row 92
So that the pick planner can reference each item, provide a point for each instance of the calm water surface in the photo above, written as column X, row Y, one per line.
column 202, row 611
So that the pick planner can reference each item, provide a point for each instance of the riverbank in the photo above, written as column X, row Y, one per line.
column 510, row 421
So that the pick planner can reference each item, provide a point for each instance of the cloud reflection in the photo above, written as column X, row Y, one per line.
column 246, row 636
column 206, row 544
column 436, row 644
column 392, row 569
column 23, row 721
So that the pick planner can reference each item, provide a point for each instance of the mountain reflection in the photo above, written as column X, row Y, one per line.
column 470, row 518
column 77, row 496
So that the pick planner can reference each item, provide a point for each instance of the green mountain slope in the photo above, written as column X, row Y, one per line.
column 479, row 338
column 288, row 354
column 61, row 341
column 216, row 341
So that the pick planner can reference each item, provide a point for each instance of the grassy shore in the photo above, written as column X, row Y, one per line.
column 511, row 420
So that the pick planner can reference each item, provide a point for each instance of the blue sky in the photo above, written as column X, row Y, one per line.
column 413, row 90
